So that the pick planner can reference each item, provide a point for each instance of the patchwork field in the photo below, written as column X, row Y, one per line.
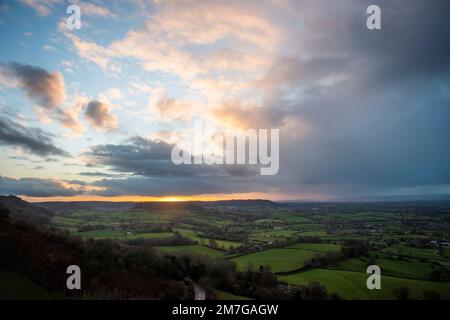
column 194, row 249
column 278, row 259
column 284, row 238
column 430, row 254
column 352, row 285
column 413, row 269
column 319, row 247
column 116, row 234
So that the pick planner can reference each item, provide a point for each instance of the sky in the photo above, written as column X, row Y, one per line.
column 93, row 113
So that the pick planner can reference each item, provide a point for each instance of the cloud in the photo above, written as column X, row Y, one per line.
column 138, row 156
column 163, row 186
column 360, row 112
column 99, row 116
column 34, row 187
column 45, row 88
column 374, row 106
column 233, row 114
column 152, row 158
column 104, row 57
column 169, row 109
column 69, row 119
column 91, row 9
column 144, row 167
column 173, row 40
column 100, row 174
column 42, row 7
column 34, row 140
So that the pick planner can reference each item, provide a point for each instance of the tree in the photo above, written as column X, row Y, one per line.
column 4, row 211
column 212, row 243
column 431, row 295
column 401, row 293
column 316, row 291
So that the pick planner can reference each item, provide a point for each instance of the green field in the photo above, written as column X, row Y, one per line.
column 263, row 231
column 313, row 233
column 319, row 247
column 152, row 235
column 194, row 249
column 278, row 259
column 226, row 244
column 101, row 234
column 352, row 285
column 430, row 254
column 413, row 269
column 191, row 234
column 116, row 234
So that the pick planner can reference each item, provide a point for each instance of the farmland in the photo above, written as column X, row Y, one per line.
column 352, row 285
column 329, row 243
column 277, row 259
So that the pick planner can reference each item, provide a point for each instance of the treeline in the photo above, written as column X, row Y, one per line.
column 248, row 248
column 176, row 240
column 350, row 249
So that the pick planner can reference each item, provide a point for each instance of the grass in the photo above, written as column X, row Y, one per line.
column 149, row 235
column 18, row 287
column 191, row 234
column 319, row 247
column 352, row 285
column 222, row 295
column 423, row 253
column 313, row 233
column 278, row 259
column 269, row 235
column 226, row 244
column 192, row 249
column 101, row 234
column 107, row 233
column 413, row 269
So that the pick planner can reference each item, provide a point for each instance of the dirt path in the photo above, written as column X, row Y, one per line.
column 199, row 292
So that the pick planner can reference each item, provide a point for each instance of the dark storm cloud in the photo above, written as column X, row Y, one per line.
column 34, row 187
column 45, row 88
column 361, row 112
column 159, row 186
column 138, row 156
column 99, row 174
column 153, row 173
column 145, row 157
column 172, row 185
column 374, row 105
column 413, row 41
column 34, row 140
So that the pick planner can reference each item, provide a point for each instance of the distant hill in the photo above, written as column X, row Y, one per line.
column 240, row 203
column 198, row 205
column 71, row 206
column 156, row 206
column 22, row 210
